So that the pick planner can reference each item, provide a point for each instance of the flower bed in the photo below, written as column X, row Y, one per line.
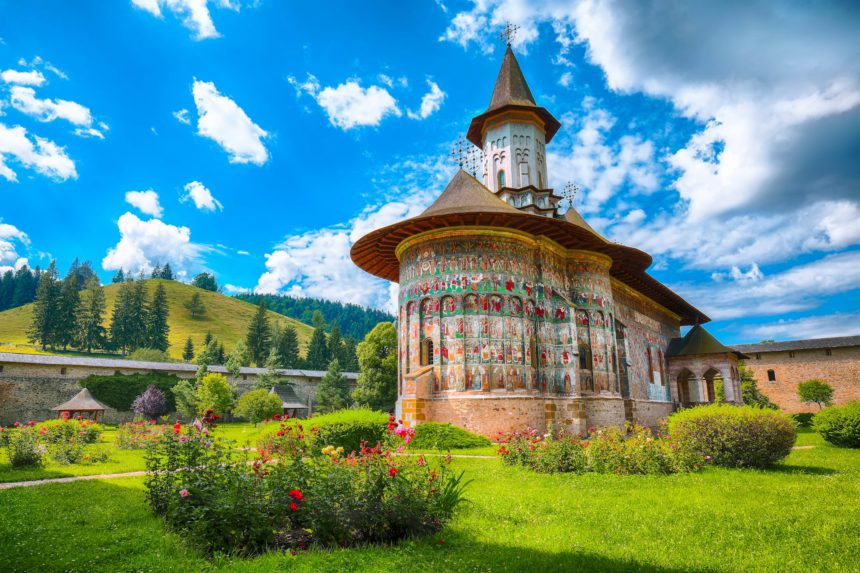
column 631, row 450
column 137, row 435
column 67, row 441
column 301, row 495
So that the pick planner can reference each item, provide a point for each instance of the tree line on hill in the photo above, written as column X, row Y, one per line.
column 354, row 321
column 18, row 287
column 64, row 315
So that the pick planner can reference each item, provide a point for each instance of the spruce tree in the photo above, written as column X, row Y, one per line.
column 67, row 320
column 333, row 391
column 121, row 328
column 349, row 359
column 259, row 336
column 157, row 327
column 167, row 272
column 25, row 287
column 288, row 347
column 119, row 277
column 208, row 339
column 188, row 351
column 335, row 343
column 43, row 328
column 318, row 352
column 90, row 331
column 139, row 313
column 221, row 354
column 156, row 272
column 7, row 290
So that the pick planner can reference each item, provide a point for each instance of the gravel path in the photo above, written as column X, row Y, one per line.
column 10, row 485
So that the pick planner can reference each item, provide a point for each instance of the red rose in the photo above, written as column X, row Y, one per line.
column 294, row 507
column 392, row 472
column 297, row 495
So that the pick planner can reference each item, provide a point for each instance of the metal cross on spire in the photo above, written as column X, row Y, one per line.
column 459, row 152
column 508, row 33
column 569, row 193
column 474, row 161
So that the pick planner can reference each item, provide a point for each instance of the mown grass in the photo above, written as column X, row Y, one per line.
column 226, row 318
column 801, row 516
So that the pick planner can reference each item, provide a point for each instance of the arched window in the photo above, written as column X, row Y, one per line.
column 650, row 365
column 501, row 177
column 540, row 180
column 771, row 376
column 427, row 352
column 584, row 357
column 524, row 174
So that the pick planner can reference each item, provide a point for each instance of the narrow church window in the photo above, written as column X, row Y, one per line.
column 791, row 354
column 540, row 180
column 427, row 352
column 771, row 376
column 757, row 356
column 650, row 365
column 63, row 371
column 1, row 368
column 524, row 174
column 501, row 178
column 584, row 357
column 827, row 352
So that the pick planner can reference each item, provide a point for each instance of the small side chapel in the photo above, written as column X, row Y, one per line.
column 514, row 313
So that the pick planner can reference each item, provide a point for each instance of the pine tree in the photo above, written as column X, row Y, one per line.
column 157, row 327
column 221, row 355
column 119, row 277
column 121, row 325
column 259, row 336
column 167, row 272
column 335, row 343
column 377, row 369
column 188, row 351
column 318, row 352
column 25, row 287
column 156, row 272
column 7, row 290
column 83, row 272
column 91, row 309
column 208, row 339
column 349, row 360
column 67, row 320
column 333, row 391
column 288, row 347
column 195, row 306
column 43, row 328
column 139, row 312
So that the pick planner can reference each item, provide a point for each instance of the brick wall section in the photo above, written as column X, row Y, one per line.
column 841, row 370
column 29, row 391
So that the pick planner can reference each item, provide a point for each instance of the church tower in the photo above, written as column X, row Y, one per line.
column 512, row 135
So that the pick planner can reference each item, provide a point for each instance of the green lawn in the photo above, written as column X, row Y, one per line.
column 801, row 516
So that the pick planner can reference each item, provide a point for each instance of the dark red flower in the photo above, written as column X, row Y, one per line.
column 293, row 506
column 392, row 472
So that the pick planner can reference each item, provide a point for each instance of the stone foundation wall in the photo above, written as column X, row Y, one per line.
column 841, row 370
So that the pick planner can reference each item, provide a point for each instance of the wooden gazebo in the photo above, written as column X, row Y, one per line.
column 83, row 405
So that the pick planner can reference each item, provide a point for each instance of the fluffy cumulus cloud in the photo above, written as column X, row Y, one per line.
column 12, row 242
column 822, row 326
column 25, row 100
column 42, row 155
column 200, row 196
column 27, row 78
column 223, row 121
column 195, row 14
column 145, row 201
column 317, row 263
column 143, row 244
column 430, row 103
column 350, row 105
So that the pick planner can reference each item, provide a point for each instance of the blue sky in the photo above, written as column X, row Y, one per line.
column 258, row 140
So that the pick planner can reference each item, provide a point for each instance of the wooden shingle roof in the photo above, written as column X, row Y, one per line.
column 83, row 401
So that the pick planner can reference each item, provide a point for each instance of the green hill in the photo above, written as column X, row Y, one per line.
column 226, row 318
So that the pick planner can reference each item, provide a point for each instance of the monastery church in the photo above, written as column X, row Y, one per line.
column 514, row 312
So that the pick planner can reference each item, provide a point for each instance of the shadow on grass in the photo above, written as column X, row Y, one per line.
column 802, row 470
column 8, row 474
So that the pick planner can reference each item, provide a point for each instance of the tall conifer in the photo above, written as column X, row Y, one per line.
column 90, row 330
column 259, row 336
column 67, row 311
column 43, row 328
column 318, row 351
column 288, row 347
column 157, row 327
column 188, row 351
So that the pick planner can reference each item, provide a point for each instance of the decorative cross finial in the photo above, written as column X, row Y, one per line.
column 474, row 161
column 569, row 193
column 508, row 33
column 459, row 152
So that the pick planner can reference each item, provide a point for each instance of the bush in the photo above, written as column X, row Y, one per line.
column 436, row 436
column 631, row 450
column 214, row 393
column 348, row 435
column 65, row 430
column 138, row 435
column 804, row 419
column 303, row 497
column 25, row 449
column 67, row 453
column 119, row 390
column 815, row 392
column 258, row 405
column 839, row 425
column 369, row 426
column 734, row 436
column 150, row 403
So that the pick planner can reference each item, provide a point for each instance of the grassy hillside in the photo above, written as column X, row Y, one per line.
column 226, row 318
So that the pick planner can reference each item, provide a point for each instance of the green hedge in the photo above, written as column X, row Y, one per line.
column 119, row 390
column 839, row 425
column 436, row 436
column 804, row 419
column 343, row 428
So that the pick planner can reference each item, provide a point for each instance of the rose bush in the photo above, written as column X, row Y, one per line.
column 137, row 435
column 66, row 429
column 296, row 494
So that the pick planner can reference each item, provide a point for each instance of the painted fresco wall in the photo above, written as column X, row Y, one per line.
column 647, row 331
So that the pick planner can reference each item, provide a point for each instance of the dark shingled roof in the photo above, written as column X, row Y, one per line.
column 82, row 402
column 465, row 194
column 699, row 341
column 288, row 397
column 810, row 344
column 511, row 93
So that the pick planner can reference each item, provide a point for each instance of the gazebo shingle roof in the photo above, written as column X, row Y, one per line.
column 83, row 401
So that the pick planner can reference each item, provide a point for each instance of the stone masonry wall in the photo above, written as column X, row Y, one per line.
column 841, row 370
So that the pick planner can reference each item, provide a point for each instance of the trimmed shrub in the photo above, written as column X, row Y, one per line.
column 803, row 419
column 258, row 405
column 436, row 436
column 839, row 425
column 25, row 449
column 734, row 436
column 368, row 425
column 119, row 390
column 348, row 435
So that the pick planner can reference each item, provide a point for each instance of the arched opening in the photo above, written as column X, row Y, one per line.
column 621, row 348
column 501, row 178
column 685, row 389
column 427, row 352
column 714, row 389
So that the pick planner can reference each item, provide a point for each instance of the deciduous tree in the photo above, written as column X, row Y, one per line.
column 377, row 368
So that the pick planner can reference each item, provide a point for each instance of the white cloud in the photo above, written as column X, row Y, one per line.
column 45, row 156
column 223, row 121
column 30, row 78
column 233, row 289
column 430, row 103
column 24, row 99
column 799, row 288
column 145, row 201
column 821, row 326
column 317, row 263
column 349, row 105
column 12, row 241
column 182, row 116
column 201, row 196
column 565, row 79
column 194, row 13
column 143, row 244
